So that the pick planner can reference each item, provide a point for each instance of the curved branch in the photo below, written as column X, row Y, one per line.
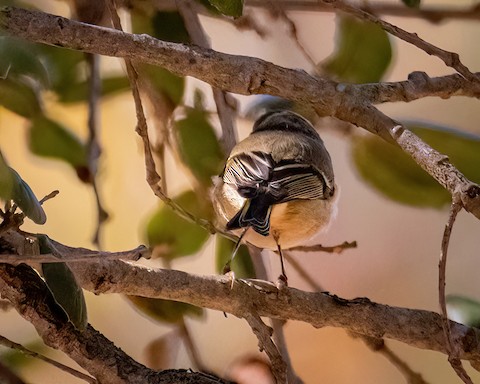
column 418, row 328
column 450, row 59
column 243, row 75
column 24, row 288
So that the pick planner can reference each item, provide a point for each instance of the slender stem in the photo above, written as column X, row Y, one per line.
column 10, row 344
column 452, row 348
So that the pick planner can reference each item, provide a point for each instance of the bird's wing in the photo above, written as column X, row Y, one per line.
column 299, row 181
column 247, row 171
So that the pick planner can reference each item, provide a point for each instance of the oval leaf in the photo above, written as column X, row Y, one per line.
column 228, row 7
column 242, row 264
column 393, row 173
column 19, row 98
column 164, row 311
column 164, row 25
column 20, row 58
column 174, row 235
column 199, row 146
column 6, row 180
column 24, row 197
column 48, row 138
column 64, row 68
column 463, row 309
column 66, row 291
column 78, row 92
column 363, row 52
column 169, row 85
column 62, row 284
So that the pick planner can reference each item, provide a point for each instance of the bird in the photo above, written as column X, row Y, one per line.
column 277, row 188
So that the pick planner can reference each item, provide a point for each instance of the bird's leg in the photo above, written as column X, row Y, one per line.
column 282, row 279
column 227, row 268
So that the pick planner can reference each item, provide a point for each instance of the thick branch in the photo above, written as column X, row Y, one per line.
column 243, row 75
column 24, row 288
column 417, row 328
column 237, row 74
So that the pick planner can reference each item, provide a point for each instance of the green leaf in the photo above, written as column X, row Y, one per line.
column 20, row 58
column 169, row 26
column 169, row 85
column 228, row 7
column 174, row 235
column 19, row 98
column 49, row 138
column 63, row 285
column 199, row 146
column 362, row 54
column 16, row 359
column 164, row 25
column 464, row 310
column 26, row 200
column 13, row 187
column 78, row 92
column 412, row 3
column 393, row 173
column 66, row 291
column 165, row 311
column 242, row 264
column 65, row 68
column 7, row 180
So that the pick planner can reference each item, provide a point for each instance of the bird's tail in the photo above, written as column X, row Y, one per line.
column 255, row 213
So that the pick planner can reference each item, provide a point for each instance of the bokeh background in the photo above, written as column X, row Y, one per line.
column 396, row 262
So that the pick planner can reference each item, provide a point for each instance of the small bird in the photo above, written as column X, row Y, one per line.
column 277, row 188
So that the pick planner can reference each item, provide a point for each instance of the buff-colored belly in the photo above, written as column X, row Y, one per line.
column 291, row 223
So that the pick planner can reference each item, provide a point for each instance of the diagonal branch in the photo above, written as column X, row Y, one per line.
column 265, row 342
column 452, row 349
column 222, row 99
column 433, row 14
column 24, row 288
column 451, row 59
column 417, row 328
column 243, row 75
column 10, row 344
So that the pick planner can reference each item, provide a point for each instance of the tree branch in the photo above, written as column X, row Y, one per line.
column 24, row 288
column 243, row 75
column 432, row 14
column 451, row 59
column 10, row 344
column 417, row 328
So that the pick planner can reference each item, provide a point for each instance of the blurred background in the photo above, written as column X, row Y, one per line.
column 395, row 263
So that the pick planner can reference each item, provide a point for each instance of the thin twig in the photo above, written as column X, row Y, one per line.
column 10, row 344
column 378, row 345
column 133, row 255
column 276, row 10
column 51, row 195
column 93, row 146
column 277, row 325
column 431, row 14
column 152, row 177
column 452, row 348
column 265, row 343
column 190, row 345
column 451, row 59
column 374, row 343
column 224, row 101
column 329, row 249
